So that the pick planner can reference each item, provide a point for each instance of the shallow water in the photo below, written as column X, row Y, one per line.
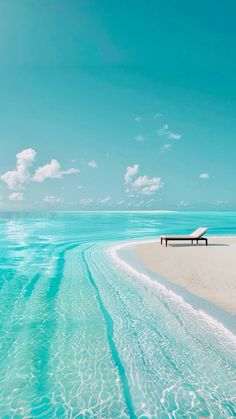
column 83, row 336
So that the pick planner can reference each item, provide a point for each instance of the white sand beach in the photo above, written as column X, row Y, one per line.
column 206, row 271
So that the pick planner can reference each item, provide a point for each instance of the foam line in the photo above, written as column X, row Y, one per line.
column 218, row 327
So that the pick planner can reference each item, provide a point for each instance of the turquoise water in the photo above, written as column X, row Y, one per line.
column 82, row 336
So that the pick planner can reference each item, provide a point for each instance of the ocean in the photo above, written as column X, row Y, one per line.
column 84, row 336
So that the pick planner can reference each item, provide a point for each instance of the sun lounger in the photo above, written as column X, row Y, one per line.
column 196, row 235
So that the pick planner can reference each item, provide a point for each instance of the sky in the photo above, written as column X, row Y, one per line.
column 124, row 105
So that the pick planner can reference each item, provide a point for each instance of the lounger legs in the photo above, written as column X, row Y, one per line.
column 192, row 240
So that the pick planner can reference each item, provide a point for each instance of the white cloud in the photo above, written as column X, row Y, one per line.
column 51, row 170
column 164, row 130
column 158, row 115
column 204, row 176
column 86, row 201
column 15, row 179
column 183, row 203
column 138, row 118
column 166, row 147
column 51, row 199
column 79, row 187
column 26, row 156
column 122, row 201
column 105, row 200
column 70, row 171
column 93, row 164
column 130, row 172
column 141, row 185
column 222, row 202
column 174, row 136
column 147, row 186
column 16, row 196
column 139, row 138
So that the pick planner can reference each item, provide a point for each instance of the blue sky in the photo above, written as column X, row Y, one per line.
column 117, row 105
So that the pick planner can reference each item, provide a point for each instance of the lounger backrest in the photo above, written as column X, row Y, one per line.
column 199, row 232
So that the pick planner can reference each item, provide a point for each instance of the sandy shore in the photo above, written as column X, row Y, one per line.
column 206, row 271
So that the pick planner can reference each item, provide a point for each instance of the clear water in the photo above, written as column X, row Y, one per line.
column 83, row 337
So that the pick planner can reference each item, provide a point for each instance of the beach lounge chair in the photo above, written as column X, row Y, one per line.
column 196, row 235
